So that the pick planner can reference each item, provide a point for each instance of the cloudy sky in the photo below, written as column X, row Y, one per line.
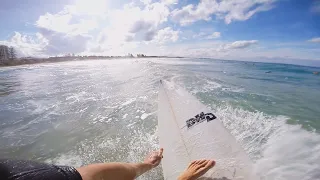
column 224, row 29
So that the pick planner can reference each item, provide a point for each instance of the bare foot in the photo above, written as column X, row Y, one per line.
column 154, row 158
column 196, row 169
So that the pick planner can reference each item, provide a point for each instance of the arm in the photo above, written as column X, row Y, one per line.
column 110, row 171
column 120, row 171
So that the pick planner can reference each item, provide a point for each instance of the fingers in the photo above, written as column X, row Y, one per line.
column 160, row 152
column 200, row 162
column 204, row 167
column 195, row 163
column 192, row 163
column 208, row 164
column 213, row 163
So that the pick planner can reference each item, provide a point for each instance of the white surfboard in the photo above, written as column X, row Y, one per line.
column 189, row 131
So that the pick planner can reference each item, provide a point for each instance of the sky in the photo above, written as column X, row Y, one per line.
column 270, row 30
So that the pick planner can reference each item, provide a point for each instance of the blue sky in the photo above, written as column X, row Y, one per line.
column 228, row 29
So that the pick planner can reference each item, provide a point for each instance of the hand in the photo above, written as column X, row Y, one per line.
column 196, row 169
column 154, row 158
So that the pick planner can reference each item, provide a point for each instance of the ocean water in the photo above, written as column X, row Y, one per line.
column 82, row 112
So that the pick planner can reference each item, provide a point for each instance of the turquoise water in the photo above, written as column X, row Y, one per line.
column 288, row 90
column 76, row 113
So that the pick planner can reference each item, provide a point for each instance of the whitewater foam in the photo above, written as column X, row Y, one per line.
column 279, row 150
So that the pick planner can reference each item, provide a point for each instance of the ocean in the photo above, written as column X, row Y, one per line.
column 81, row 112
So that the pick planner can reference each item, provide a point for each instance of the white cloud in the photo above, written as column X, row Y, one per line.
column 61, row 43
column 199, row 35
column 47, row 43
column 134, row 25
column 215, row 49
column 140, row 24
column 91, row 28
column 238, row 50
column 68, row 31
column 169, row 2
column 231, row 10
column 109, row 43
column 239, row 44
column 315, row 40
column 165, row 2
column 166, row 35
column 58, row 22
column 188, row 15
column 27, row 45
column 64, row 32
column 66, row 22
column 214, row 35
column 146, row 1
column 205, row 35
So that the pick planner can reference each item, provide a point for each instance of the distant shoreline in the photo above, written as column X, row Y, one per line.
column 26, row 61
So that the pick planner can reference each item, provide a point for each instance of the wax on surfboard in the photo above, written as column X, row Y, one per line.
column 189, row 131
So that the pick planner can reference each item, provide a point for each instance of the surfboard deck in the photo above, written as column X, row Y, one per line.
column 189, row 131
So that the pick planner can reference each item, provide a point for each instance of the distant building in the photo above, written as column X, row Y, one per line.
column 141, row 55
column 130, row 55
column 4, row 53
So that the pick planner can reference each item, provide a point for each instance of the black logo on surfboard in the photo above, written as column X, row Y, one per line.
column 199, row 118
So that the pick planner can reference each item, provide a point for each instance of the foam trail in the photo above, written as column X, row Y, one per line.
column 290, row 153
column 280, row 151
